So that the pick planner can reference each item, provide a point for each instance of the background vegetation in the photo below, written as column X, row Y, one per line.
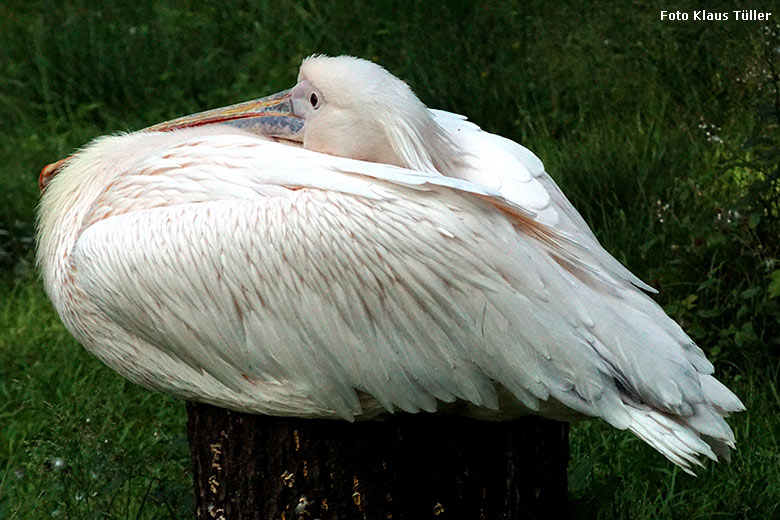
column 664, row 135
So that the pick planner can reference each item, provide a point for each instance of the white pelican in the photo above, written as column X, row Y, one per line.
column 370, row 256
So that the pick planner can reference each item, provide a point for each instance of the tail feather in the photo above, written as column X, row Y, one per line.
column 670, row 438
column 722, row 449
column 708, row 422
column 723, row 399
column 683, row 439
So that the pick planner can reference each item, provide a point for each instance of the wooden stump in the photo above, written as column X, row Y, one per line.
column 408, row 467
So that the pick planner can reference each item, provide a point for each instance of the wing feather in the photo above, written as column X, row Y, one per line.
column 516, row 173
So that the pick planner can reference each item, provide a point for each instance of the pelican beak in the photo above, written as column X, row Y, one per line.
column 271, row 116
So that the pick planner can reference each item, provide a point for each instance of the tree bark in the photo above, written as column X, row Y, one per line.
column 407, row 467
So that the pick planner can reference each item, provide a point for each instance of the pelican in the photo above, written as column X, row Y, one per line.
column 338, row 250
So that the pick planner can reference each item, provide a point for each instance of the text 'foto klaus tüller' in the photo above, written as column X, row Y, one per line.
column 742, row 15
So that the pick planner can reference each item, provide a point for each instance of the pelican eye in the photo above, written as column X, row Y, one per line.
column 314, row 100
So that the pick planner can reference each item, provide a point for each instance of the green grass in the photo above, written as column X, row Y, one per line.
column 611, row 99
column 78, row 441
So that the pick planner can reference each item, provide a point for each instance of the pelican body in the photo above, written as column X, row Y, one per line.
column 338, row 250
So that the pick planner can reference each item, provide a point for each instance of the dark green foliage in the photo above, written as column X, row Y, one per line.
column 719, row 232
column 663, row 134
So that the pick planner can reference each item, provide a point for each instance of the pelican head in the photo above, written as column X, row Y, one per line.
column 354, row 108
column 342, row 106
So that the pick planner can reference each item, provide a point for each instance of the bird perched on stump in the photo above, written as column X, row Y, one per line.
column 338, row 250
